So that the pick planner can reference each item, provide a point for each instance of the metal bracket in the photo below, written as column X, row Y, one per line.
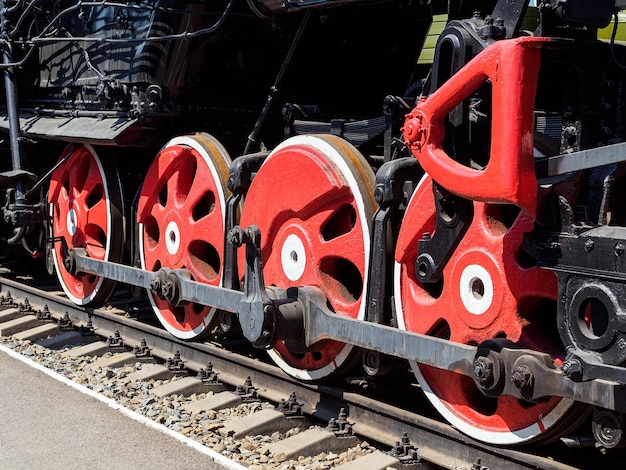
column 585, row 366
column 258, row 329
column 454, row 215
column 512, row 13
column 240, row 175
column 208, row 376
column 248, row 392
column 389, row 193
column 290, row 407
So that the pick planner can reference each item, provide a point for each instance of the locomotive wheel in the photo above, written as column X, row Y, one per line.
column 486, row 292
column 181, row 215
column 85, row 199
column 312, row 200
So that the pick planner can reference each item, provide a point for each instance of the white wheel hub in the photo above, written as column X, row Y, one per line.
column 172, row 238
column 293, row 257
column 476, row 289
column 71, row 222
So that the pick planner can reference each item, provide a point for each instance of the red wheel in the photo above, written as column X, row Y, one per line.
column 181, row 217
column 312, row 200
column 486, row 292
column 86, row 212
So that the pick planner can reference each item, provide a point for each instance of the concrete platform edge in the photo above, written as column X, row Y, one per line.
column 217, row 457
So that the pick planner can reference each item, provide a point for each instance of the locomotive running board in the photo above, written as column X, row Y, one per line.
column 100, row 127
column 300, row 317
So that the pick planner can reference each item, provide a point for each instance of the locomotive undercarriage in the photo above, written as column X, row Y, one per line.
column 486, row 249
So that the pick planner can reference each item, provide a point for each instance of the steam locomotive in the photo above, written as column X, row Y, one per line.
column 342, row 182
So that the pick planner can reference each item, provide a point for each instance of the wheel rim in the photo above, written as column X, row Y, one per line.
column 314, row 234
column 85, row 208
column 181, row 219
column 486, row 292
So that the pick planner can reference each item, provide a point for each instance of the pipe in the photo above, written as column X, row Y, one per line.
column 11, row 97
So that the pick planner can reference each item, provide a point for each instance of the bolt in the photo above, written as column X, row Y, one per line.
column 268, row 309
column 414, row 131
column 166, row 289
column 154, row 94
column 522, row 377
column 379, row 193
column 572, row 368
column 411, row 129
column 44, row 314
column 25, row 306
column 426, row 236
column 236, row 236
column 619, row 249
column 155, row 284
column 477, row 465
column 65, row 323
column 483, row 370
column 589, row 245
column 332, row 425
column 8, row 299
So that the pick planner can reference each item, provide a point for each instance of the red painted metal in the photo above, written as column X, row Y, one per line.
column 85, row 214
column 509, row 177
column 313, row 219
column 182, row 215
column 522, row 309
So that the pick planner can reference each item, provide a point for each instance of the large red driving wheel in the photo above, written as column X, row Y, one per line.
column 487, row 291
column 312, row 200
column 181, row 217
column 86, row 212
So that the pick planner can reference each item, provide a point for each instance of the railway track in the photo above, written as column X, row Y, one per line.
column 375, row 412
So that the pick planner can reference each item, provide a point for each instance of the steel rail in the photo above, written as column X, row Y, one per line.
column 437, row 442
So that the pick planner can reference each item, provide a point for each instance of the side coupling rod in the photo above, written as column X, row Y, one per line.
column 299, row 317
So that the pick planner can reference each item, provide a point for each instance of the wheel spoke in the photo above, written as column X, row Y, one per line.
column 204, row 230
column 193, row 180
column 93, row 183
column 75, row 178
column 96, row 214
